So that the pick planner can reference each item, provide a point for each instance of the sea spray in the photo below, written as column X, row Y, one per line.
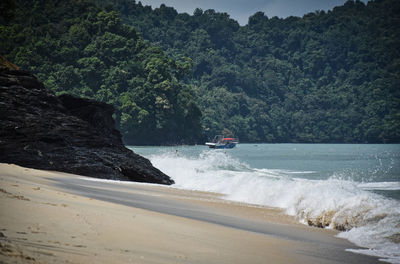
column 366, row 218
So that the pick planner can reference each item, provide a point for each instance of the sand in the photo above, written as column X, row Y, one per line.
column 41, row 222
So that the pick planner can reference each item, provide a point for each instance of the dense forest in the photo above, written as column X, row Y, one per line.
column 326, row 77
column 75, row 47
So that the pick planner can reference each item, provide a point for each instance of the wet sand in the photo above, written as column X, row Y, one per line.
column 53, row 217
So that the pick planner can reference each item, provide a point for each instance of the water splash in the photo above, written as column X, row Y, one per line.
column 366, row 218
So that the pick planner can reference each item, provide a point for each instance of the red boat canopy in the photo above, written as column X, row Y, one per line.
column 229, row 139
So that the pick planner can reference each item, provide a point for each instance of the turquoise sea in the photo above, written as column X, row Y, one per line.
column 351, row 187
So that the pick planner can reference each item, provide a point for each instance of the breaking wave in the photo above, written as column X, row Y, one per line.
column 364, row 217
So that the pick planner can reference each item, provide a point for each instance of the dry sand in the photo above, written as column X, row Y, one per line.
column 41, row 223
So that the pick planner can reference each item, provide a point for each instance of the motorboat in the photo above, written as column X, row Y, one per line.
column 221, row 142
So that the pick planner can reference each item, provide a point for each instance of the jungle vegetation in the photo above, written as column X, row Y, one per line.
column 325, row 77
column 75, row 47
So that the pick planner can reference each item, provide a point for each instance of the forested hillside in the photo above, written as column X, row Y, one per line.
column 75, row 47
column 326, row 77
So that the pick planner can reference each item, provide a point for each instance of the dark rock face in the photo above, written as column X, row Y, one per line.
column 40, row 130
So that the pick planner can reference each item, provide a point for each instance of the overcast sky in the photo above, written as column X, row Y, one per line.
column 240, row 10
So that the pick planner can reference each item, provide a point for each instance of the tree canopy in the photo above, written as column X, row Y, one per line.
column 75, row 47
column 325, row 77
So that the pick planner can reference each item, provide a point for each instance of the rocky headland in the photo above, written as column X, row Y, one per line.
column 64, row 133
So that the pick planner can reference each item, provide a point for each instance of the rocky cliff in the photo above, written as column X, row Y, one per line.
column 40, row 130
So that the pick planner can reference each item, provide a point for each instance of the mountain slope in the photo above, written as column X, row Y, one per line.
column 326, row 77
column 77, row 48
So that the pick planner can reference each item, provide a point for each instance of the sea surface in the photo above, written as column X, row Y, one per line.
column 354, row 188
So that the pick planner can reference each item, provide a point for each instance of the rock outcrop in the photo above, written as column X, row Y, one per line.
column 40, row 130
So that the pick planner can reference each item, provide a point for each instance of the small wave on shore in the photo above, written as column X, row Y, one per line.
column 365, row 218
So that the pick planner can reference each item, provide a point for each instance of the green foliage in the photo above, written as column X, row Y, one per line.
column 75, row 47
column 7, row 8
column 326, row 77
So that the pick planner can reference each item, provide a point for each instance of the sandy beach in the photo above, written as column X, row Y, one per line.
column 53, row 217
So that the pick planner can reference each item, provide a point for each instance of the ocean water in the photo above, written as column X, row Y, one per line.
column 354, row 188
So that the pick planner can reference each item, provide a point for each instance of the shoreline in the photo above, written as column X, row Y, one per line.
column 58, row 217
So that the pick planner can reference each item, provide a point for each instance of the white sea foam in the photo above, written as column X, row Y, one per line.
column 369, row 220
column 385, row 186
